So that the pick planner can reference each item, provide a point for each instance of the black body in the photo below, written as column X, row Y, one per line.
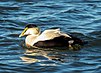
column 61, row 41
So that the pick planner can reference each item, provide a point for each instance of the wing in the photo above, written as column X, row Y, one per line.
column 50, row 34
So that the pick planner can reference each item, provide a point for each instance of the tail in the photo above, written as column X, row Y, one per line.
column 79, row 41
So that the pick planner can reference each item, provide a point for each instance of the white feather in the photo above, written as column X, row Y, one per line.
column 71, row 41
column 49, row 34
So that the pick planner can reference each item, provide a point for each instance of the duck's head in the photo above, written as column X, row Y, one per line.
column 30, row 29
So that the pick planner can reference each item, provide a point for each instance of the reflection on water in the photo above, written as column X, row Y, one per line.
column 33, row 55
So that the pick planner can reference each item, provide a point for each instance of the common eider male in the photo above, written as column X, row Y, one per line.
column 48, row 38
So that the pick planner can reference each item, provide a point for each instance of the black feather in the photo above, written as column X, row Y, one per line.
column 58, row 42
column 31, row 25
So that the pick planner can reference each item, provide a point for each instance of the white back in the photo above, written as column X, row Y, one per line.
column 49, row 34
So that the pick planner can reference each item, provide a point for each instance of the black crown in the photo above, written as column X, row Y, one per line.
column 31, row 25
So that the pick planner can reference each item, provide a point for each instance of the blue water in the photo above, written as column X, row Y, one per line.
column 81, row 18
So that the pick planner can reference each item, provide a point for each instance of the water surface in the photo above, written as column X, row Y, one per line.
column 81, row 18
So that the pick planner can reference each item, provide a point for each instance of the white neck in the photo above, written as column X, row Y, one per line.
column 29, row 39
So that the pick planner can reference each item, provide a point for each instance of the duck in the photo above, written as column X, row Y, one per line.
column 52, row 37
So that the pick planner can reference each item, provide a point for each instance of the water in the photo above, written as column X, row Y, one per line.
column 81, row 18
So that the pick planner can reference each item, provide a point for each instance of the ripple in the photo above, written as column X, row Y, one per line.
column 26, row 0
column 78, row 18
column 9, row 8
column 72, row 11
